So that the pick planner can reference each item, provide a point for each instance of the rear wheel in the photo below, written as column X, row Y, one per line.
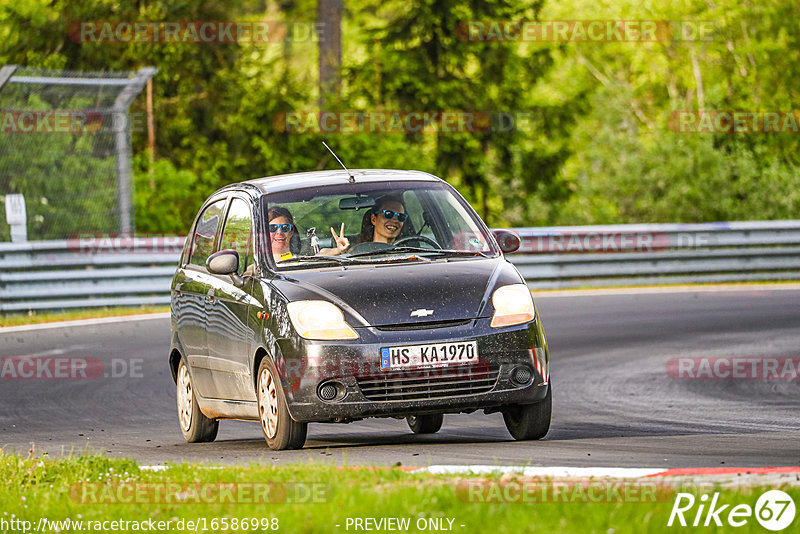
column 280, row 430
column 530, row 421
column 196, row 427
column 425, row 424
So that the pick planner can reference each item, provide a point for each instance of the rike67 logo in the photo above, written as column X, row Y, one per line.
column 774, row 510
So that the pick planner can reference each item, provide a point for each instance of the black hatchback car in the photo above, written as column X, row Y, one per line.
column 333, row 296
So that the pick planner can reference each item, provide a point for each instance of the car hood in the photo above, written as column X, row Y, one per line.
column 387, row 294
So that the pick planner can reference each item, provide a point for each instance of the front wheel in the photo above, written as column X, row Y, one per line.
column 425, row 424
column 195, row 426
column 530, row 421
column 280, row 430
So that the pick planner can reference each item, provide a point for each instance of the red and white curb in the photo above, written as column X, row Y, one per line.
column 606, row 472
column 554, row 472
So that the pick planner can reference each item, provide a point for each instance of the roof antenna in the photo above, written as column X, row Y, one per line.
column 352, row 178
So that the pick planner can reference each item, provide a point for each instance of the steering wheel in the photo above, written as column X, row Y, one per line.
column 422, row 238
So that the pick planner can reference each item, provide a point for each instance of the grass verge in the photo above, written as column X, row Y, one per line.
column 313, row 497
column 73, row 315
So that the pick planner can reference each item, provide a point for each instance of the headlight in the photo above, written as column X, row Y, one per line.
column 512, row 305
column 319, row 319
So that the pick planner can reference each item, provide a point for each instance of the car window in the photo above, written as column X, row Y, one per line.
column 432, row 211
column 204, row 233
column 458, row 226
column 322, row 213
column 237, row 232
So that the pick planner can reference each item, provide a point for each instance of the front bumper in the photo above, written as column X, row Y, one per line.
column 355, row 366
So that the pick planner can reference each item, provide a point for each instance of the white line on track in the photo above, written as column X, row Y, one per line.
column 85, row 322
column 741, row 288
column 614, row 472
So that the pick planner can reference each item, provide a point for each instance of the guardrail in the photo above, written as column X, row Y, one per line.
column 44, row 275
column 643, row 254
column 49, row 275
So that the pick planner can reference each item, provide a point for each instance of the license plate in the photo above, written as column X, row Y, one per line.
column 429, row 355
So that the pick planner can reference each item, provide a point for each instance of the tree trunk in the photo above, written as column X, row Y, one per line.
column 329, row 17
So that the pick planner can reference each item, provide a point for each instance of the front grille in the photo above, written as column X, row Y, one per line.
column 420, row 384
column 423, row 325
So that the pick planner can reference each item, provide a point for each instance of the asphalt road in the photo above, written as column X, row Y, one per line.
column 615, row 404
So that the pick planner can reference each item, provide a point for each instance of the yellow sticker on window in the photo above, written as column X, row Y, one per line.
column 286, row 256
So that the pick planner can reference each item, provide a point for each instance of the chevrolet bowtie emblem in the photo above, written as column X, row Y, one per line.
column 422, row 312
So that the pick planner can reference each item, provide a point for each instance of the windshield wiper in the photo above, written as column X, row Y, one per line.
column 334, row 259
column 445, row 251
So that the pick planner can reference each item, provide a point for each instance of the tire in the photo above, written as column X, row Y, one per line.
column 196, row 427
column 530, row 421
column 425, row 424
column 280, row 430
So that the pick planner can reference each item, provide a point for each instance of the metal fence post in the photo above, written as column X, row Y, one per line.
column 122, row 143
column 6, row 73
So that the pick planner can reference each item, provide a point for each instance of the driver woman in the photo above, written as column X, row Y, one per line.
column 384, row 223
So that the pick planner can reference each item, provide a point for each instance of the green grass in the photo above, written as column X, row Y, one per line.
column 72, row 315
column 306, row 497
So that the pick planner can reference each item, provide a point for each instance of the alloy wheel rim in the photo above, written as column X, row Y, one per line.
column 185, row 398
column 268, row 403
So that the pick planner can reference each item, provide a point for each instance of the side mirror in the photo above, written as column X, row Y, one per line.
column 223, row 262
column 507, row 240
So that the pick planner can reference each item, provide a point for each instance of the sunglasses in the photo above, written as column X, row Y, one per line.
column 285, row 228
column 389, row 215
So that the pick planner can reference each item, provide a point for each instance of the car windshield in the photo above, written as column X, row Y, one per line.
column 371, row 222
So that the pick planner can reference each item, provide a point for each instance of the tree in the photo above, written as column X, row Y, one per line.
column 329, row 18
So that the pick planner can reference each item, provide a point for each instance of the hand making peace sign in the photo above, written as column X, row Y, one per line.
column 342, row 243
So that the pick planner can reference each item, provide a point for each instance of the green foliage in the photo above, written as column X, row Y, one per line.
column 591, row 144
column 629, row 164
column 167, row 199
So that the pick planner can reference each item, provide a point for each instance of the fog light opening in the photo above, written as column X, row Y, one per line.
column 330, row 390
column 521, row 375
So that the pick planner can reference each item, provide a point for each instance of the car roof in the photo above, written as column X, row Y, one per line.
column 288, row 182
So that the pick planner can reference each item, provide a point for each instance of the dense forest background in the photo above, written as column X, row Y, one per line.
column 595, row 145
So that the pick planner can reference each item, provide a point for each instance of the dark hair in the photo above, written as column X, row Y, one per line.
column 279, row 211
column 368, row 229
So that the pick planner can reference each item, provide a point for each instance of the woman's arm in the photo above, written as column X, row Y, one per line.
column 342, row 244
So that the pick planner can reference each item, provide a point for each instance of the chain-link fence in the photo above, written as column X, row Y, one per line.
column 65, row 146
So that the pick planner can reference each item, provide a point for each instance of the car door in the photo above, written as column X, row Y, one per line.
column 191, row 290
column 229, row 338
